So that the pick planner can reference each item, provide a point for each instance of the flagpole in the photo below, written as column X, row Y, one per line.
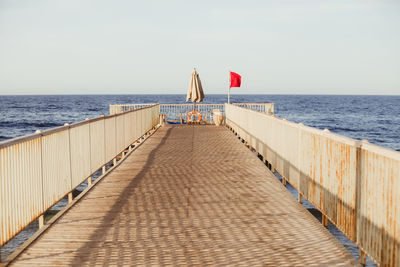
column 229, row 89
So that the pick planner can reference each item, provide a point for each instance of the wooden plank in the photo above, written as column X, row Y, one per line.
column 190, row 195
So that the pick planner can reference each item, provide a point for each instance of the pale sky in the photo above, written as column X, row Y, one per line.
column 148, row 47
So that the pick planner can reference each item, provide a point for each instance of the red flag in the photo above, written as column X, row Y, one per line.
column 236, row 80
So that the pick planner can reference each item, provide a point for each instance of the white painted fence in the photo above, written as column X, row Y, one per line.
column 38, row 170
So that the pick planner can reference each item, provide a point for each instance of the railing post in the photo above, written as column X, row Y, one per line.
column 41, row 217
column 362, row 257
column 324, row 220
column 299, row 157
column 299, row 197
column 41, row 221
column 70, row 161
column 89, row 181
column 361, row 253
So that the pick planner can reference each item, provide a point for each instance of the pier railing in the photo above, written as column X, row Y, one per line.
column 38, row 170
column 356, row 185
column 174, row 112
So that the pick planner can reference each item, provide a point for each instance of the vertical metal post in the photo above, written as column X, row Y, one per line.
column 362, row 257
column 41, row 221
column 300, row 198
column 324, row 220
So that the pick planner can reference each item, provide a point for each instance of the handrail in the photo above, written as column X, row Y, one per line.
column 174, row 112
column 38, row 170
column 356, row 185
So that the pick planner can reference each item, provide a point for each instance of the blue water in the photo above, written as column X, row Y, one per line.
column 375, row 118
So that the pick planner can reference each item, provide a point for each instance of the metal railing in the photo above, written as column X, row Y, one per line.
column 38, row 170
column 174, row 112
column 356, row 185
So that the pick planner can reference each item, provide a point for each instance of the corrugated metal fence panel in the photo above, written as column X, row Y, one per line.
column 135, row 126
column 97, row 145
column 328, row 166
column 379, row 204
column 154, row 116
column 144, row 123
column 120, row 133
column 288, row 151
column 56, row 167
column 20, row 187
column 148, row 119
column 128, row 129
column 80, row 153
column 139, row 122
column 110, row 138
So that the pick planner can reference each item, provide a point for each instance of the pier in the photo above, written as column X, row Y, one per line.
column 195, row 195
column 190, row 195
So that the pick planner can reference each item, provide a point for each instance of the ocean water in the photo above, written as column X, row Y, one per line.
column 375, row 118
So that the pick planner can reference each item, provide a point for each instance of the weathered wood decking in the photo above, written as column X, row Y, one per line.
column 190, row 195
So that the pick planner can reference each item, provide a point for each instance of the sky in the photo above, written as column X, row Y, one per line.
column 151, row 47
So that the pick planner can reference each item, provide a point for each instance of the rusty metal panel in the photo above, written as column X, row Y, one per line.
column 56, row 167
column 20, row 187
column 97, row 145
column 378, row 221
column 120, row 132
column 275, row 139
column 80, row 153
column 328, row 176
column 110, row 138
column 319, row 164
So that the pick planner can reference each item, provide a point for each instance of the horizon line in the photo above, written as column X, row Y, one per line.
column 205, row 94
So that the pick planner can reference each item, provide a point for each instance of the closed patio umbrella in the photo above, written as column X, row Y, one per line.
column 195, row 92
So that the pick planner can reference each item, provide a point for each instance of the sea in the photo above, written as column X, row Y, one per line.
column 375, row 118
column 371, row 117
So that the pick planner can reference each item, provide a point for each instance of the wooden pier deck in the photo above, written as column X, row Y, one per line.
column 189, row 196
